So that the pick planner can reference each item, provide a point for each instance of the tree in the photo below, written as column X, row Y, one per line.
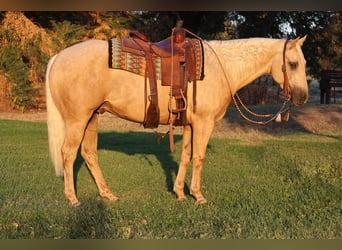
column 322, row 48
column 328, row 45
column 206, row 24
column 258, row 24
column 22, row 59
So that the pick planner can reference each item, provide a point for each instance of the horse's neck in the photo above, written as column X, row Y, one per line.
column 244, row 60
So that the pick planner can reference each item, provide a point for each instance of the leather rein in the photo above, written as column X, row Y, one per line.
column 277, row 116
column 236, row 98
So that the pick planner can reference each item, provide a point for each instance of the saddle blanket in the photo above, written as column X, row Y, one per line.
column 136, row 64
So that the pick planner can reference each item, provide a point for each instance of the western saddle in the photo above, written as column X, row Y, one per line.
column 178, row 67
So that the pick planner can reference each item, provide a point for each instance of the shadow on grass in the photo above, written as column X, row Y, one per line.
column 89, row 221
column 273, row 128
column 92, row 220
column 141, row 143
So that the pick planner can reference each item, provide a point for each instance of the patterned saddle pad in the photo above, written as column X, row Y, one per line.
column 119, row 59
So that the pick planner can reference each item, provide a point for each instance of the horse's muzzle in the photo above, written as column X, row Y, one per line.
column 299, row 96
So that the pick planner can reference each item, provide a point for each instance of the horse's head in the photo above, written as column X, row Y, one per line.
column 295, row 64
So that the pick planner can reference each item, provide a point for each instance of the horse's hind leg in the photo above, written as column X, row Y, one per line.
column 73, row 137
column 89, row 154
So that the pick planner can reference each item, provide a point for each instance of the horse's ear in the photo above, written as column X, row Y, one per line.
column 292, row 43
column 298, row 40
column 302, row 40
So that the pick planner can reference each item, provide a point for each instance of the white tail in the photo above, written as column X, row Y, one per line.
column 56, row 126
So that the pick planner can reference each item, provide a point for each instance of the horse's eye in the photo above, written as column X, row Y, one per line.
column 293, row 65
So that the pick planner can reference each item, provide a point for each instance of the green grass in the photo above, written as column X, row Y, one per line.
column 282, row 187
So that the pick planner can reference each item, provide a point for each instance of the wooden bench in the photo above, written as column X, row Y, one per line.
column 330, row 84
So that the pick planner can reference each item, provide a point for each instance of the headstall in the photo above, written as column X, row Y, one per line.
column 286, row 87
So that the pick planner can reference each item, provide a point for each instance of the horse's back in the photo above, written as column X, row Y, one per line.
column 95, row 51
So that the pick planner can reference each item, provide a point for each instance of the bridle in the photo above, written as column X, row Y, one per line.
column 286, row 87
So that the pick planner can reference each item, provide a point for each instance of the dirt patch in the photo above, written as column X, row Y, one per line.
column 320, row 119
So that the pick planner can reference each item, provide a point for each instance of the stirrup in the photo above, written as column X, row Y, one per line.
column 180, row 109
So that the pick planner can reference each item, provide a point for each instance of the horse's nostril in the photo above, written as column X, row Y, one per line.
column 300, row 99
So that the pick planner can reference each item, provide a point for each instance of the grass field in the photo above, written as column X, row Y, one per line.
column 283, row 186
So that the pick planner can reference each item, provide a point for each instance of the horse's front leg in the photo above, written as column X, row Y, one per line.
column 185, row 158
column 201, row 134
column 89, row 154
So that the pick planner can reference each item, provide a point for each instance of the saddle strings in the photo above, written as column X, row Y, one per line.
column 272, row 117
column 171, row 83
column 171, row 139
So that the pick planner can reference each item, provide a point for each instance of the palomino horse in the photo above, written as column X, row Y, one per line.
column 80, row 86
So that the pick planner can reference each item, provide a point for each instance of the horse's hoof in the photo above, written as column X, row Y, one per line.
column 201, row 201
column 110, row 197
column 182, row 198
column 113, row 198
column 75, row 203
